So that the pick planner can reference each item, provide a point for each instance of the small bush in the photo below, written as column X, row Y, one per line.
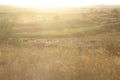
column 6, row 30
column 111, row 46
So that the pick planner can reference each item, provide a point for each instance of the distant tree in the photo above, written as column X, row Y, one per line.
column 115, row 14
column 6, row 29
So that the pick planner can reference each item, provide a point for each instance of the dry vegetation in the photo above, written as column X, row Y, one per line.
column 78, row 44
column 80, row 60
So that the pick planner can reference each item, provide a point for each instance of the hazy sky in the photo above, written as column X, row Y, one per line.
column 58, row 3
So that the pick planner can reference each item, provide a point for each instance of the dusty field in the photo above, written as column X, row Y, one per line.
column 71, row 44
column 67, row 59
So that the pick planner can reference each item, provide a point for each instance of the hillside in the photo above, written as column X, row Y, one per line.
column 69, row 44
column 64, row 23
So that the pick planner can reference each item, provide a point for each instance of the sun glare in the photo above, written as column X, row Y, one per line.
column 56, row 4
column 48, row 4
column 53, row 4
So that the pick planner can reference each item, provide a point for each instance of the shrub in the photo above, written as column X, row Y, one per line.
column 6, row 29
column 111, row 46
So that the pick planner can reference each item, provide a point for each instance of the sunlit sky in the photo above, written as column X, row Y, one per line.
column 58, row 3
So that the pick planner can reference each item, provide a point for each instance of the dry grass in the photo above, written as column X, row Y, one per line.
column 74, row 51
column 58, row 62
